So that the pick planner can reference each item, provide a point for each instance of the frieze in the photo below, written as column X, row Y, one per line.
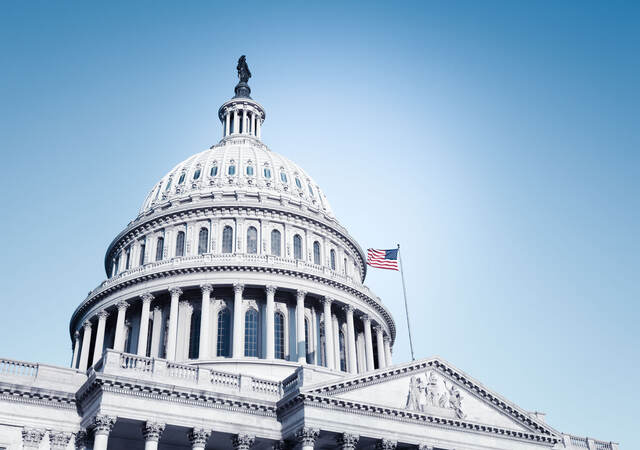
column 430, row 393
column 37, row 396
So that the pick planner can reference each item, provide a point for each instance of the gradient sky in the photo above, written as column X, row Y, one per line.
column 497, row 142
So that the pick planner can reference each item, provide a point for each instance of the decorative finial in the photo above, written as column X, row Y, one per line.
column 242, row 88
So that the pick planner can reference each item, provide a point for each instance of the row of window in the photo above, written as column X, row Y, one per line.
column 227, row 247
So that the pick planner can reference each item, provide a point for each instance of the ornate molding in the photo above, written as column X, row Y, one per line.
column 152, row 431
column 348, row 309
column 59, row 440
column 199, row 437
column 31, row 437
column 242, row 441
column 270, row 289
column 301, row 293
column 122, row 305
column 206, row 288
column 102, row 314
column 238, row 288
column 175, row 291
column 386, row 444
column 347, row 441
column 365, row 317
column 147, row 297
column 376, row 328
column 103, row 424
column 186, row 306
column 307, row 436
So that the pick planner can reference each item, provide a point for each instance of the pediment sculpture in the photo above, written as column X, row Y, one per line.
column 430, row 393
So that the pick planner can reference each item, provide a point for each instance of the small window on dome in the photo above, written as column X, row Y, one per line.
column 196, row 174
column 283, row 177
column 310, row 190
column 267, row 172
column 214, row 171
column 181, row 180
column 250, row 171
column 298, row 183
column 232, row 170
column 168, row 186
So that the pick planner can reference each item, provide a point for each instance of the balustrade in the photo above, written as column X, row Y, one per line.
column 10, row 367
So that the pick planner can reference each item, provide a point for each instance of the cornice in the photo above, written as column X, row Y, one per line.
column 176, row 271
column 37, row 396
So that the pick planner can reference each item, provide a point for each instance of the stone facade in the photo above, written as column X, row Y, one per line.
column 235, row 316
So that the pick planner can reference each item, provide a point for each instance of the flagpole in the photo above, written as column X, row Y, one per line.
column 406, row 307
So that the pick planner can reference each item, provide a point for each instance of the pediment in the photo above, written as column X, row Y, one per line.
column 434, row 388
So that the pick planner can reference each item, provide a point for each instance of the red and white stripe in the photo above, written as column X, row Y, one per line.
column 376, row 258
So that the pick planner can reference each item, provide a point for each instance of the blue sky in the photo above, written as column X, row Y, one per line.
column 497, row 142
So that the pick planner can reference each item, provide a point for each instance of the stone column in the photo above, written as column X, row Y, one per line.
column 143, row 335
column 387, row 350
column 152, row 432
column 226, row 123
column 347, row 441
column 235, row 121
column 102, row 426
column 31, row 437
column 244, row 121
column 380, row 344
column 175, row 292
column 184, row 330
column 258, row 127
column 336, row 341
column 120, row 336
column 300, row 338
column 238, row 321
column 368, row 343
column 328, row 334
column 270, row 311
column 351, row 340
column 386, row 444
column 156, row 332
column 76, row 349
column 198, row 438
column 86, row 342
column 59, row 440
column 97, row 348
column 307, row 437
column 242, row 441
column 205, row 316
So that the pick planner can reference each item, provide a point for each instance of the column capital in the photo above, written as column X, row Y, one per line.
column 326, row 300
column 59, row 440
column 157, row 308
column 387, row 339
column 348, row 441
column 307, row 436
column 102, row 314
column 147, row 297
column 377, row 328
column 425, row 447
column 348, row 309
column 76, row 334
column 186, row 304
column 87, row 325
column 175, row 290
column 206, row 288
column 386, row 444
column 152, row 431
column 199, row 437
column 122, row 305
column 238, row 288
column 103, row 424
column 270, row 289
column 31, row 437
column 242, row 441
column 365, row 317
column 301, row 293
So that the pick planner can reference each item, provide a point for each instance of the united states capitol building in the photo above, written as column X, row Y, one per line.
column 234, row 315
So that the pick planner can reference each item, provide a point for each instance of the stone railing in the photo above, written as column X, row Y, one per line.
column 9, row 367
column 579, row 443
column 161, row 370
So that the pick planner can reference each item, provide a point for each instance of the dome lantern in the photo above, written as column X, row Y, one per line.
column 242, row 115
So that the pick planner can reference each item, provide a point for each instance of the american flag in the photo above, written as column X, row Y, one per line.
column 383, row 259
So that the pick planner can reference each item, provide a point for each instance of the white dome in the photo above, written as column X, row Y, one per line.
column 238, row 165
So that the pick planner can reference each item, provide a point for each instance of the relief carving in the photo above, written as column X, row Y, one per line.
column 429, row 392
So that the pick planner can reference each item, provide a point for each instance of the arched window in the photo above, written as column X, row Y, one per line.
column 310, row 190
column 224, row 333
column 251, row 333
column 196, row 174
column 168, row 186
column 316, row 252
column 231, row 170
column 278, row 322
column 344, row 266
column 267, row 172
column 143, row 247
column 159, row 248
column 115, row 267
column 297, row 247
column 214, row 171
column 203, row 241
column 250, row 171
column 127, row 258
column 306, row 341
column 283, row 177
column 298, row 183
column 194, row 335
column 180, row 243
column 343, row 352
column 333, row 259
column 149, row 335
column 275, row 242
column 227, row 239
column 252, row 240
column 181, row 179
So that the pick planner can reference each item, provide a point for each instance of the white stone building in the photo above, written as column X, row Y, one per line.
column 234, row 316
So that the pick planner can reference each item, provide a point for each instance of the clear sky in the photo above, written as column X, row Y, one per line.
column 497, row 142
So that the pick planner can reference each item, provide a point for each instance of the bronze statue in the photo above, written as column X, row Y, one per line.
column 243, row 69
